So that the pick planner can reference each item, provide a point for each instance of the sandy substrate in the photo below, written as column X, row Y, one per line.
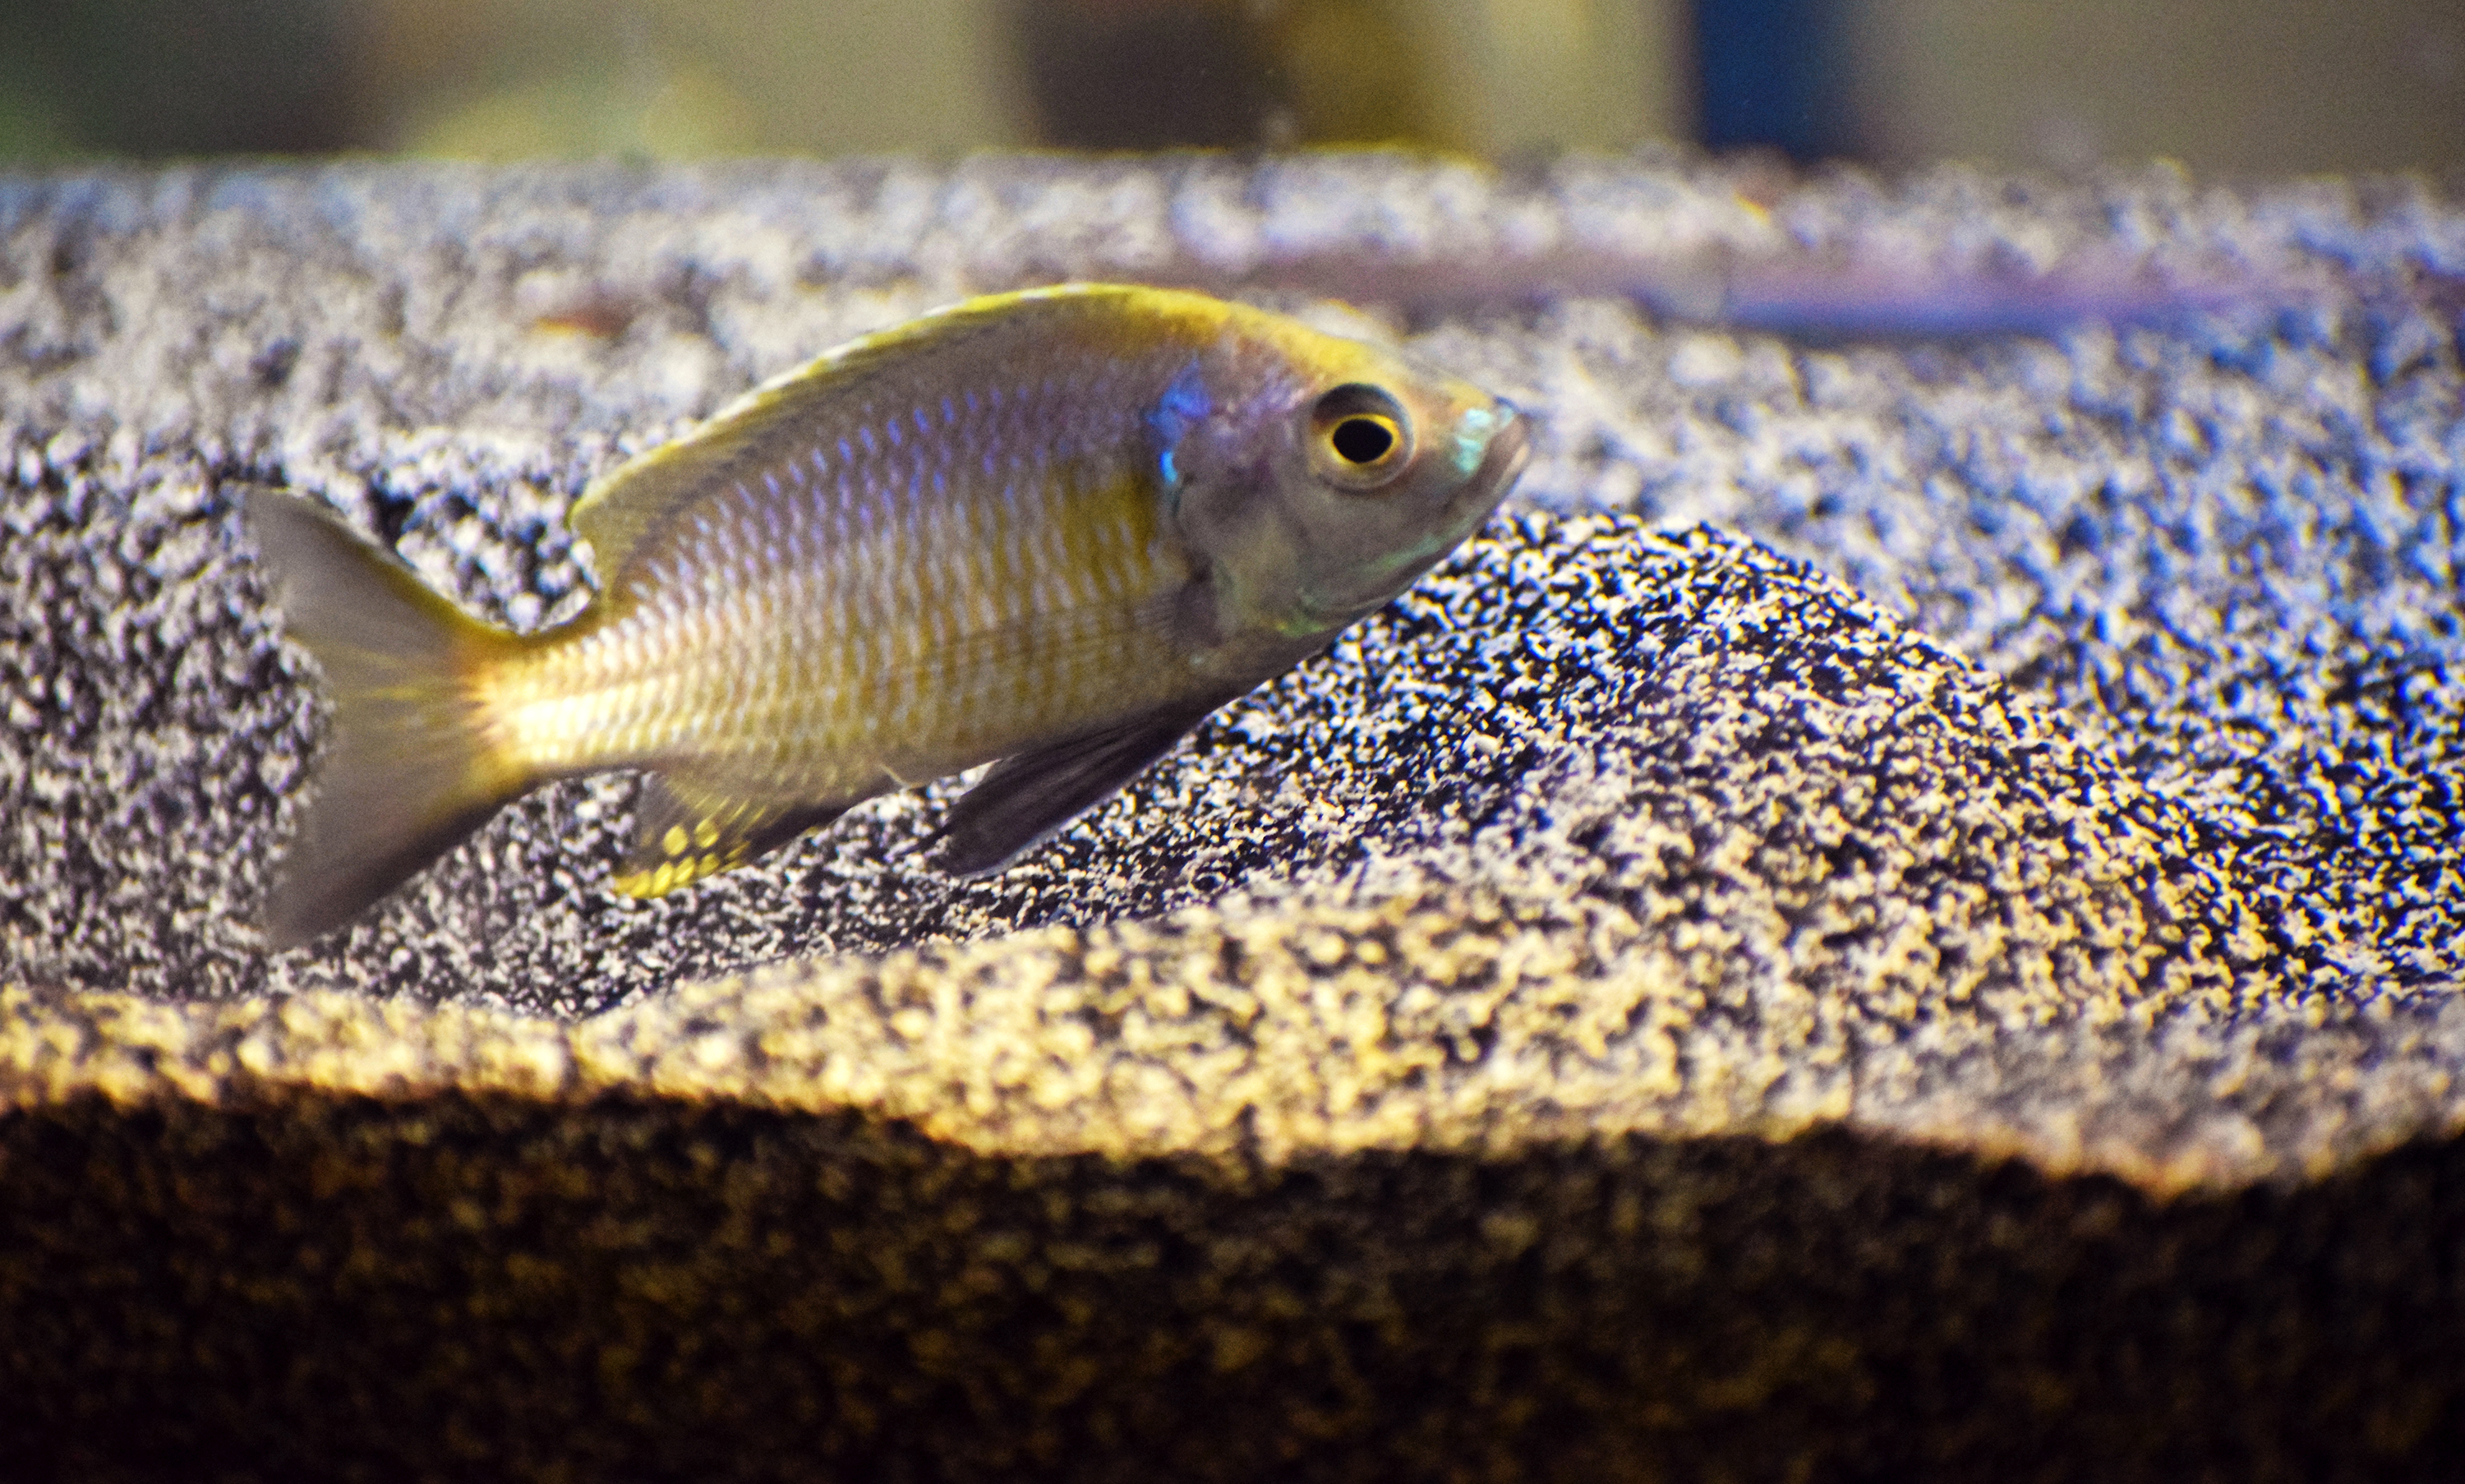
column 1897, row 914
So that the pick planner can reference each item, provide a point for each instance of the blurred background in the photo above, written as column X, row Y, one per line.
column 2226, row 86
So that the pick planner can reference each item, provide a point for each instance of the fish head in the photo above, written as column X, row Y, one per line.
column 1336, row 474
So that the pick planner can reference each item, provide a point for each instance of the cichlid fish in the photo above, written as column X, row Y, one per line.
column 1054, row 528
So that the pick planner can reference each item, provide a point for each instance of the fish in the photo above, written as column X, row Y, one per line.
column 1051, row 530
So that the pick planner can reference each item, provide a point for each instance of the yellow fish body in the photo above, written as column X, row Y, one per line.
column 1056, row 528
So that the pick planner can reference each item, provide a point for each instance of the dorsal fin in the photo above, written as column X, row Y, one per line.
column 629, row 501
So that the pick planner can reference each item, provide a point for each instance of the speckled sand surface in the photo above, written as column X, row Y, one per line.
column 1899, row 914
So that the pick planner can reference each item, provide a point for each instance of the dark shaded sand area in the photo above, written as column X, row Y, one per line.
column 1895, row 918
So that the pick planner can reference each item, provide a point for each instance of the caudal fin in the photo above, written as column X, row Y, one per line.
column 407, row 771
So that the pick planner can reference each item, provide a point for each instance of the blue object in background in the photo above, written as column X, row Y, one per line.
column 1774, row 75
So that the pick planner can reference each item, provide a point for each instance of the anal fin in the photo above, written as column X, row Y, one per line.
column 686, row 833
column 1029, row 795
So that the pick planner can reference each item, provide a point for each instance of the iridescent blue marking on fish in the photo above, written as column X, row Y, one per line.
column 1183, row 406
column 1472, row 433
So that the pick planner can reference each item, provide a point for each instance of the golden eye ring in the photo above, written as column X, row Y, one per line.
column 1360, row 437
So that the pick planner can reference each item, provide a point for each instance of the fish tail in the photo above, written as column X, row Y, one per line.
column 408, row 769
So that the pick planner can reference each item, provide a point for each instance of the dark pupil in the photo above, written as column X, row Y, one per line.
column 1362, row 440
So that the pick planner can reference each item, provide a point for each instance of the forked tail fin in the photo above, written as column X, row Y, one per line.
column 407, row 771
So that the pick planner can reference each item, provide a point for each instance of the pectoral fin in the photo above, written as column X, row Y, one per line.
column 688, row 832
column 1031, row 795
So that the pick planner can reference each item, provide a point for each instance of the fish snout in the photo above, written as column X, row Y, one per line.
column 1501, row 462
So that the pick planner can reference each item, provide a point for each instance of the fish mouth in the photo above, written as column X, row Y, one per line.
column 1501, row 464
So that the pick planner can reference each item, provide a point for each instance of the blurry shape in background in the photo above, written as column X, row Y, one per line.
column 2264, row 86
column 1350, row 72
column 164, row 78
column 668, row 78
column 1521, row 76
column 655, row 107
column 1148, row 74
column 33, row 118
column 1774, row 75
column 1485, row 77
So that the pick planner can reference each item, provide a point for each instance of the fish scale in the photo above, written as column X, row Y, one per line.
column 1052, row 528
column 905, row 567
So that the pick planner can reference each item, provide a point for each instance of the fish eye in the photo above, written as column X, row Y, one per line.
column 1360, row 437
